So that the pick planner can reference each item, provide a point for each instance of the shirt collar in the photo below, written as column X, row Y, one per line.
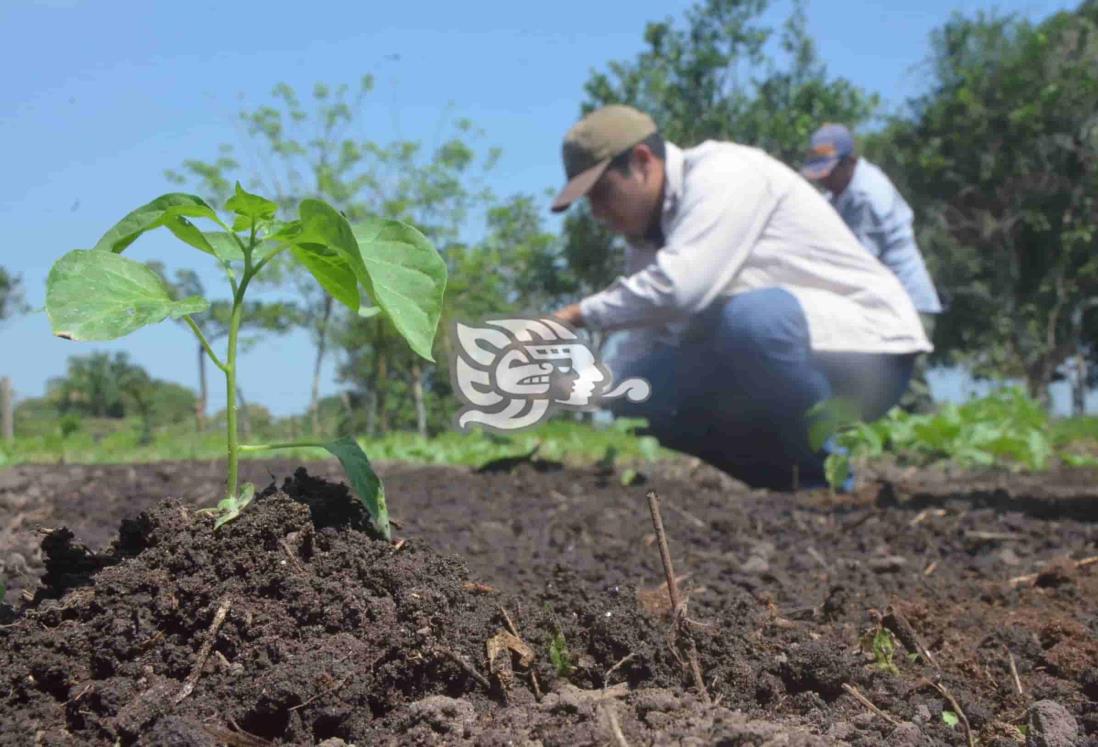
column 673, row 168
column 672, row 193
column 855, row 181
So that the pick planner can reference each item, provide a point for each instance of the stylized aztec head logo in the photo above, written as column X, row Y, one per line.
column 511, row 373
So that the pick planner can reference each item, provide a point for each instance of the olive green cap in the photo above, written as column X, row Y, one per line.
column 593, row 142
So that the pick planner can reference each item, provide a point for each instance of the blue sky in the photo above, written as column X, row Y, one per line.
column 100, row 98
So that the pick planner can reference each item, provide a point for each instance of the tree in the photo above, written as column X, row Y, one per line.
column 260, row 319
column 298, row 152
column 436, row 190
column 710, row 78
column 1000, row 157
column 100, row 385
column 11, row 295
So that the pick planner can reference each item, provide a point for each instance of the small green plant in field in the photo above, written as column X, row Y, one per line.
column 1006, row 427
column 950, row 719
column 882, row 645
column 98, row 294
column 559, row 656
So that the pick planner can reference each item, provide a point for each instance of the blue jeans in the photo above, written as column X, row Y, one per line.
column 736, row 391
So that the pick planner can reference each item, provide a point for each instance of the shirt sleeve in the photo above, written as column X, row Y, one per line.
column 724, row 208
column 894, row 230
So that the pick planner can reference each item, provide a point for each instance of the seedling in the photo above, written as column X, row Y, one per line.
column 98, row 294
column 559, row 656
column 882, row 645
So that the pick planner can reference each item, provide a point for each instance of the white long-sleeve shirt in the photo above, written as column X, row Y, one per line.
column 735, row 219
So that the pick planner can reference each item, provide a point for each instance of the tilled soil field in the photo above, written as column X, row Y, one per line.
column 527, row 605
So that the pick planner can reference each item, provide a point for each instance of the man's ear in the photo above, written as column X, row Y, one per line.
column 643, row 159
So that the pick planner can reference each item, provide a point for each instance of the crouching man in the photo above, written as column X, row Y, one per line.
column 746, row 299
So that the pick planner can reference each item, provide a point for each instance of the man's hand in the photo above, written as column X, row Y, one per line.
column 570, row 315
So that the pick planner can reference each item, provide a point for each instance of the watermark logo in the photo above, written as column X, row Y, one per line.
column 512, row 373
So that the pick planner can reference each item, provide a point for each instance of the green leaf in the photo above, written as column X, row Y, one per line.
column 558, row 655
column 395, row 264
column 231, row 506
column 97, row 295
column 332, row 271
column 168, row 210
column 828, row 417
column 950, row 719
column 364, row 480
column 224, row 246
column 836, row 470
column 406, row 278
column 251, row 207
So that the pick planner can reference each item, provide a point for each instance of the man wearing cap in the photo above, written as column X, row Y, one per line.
column 746, row 298
column 874, row 210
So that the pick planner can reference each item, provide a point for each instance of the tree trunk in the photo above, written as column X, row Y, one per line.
column 381, row 392
column 371, row 412
column 381, row 378
column 1079, row 386
column 203, row 392
column 321, row 345
column 417, row 395
column 1038, row 378
column 7, row 418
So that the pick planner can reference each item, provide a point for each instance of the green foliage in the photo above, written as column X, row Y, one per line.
column 559, row 656
column 1000, row 159
column 101, row 385
column 365, row 481
column 882, row 645
column 230, row 507
column 709, row 77
column 11, row 295
column 1005, row 428
column 97, row 294
column 950, row 719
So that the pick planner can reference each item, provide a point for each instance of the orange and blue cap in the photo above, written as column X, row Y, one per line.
column 829, row 145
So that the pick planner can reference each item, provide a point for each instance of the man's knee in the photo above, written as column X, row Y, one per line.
column 763, row 320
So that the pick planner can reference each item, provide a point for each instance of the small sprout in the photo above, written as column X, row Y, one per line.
column 231, row 506
column 950, row 719
column 606, row 462
column 882, row 645
column 630, row 476
column 559, row 656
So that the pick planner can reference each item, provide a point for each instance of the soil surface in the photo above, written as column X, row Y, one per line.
column 527, row 605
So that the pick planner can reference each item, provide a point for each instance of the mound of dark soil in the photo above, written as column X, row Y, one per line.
column 291, row 625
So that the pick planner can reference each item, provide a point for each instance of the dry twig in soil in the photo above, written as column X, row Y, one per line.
column 678, row 610
column 461, row 662
column 1031, row 577
column 969, row 738
column 615, row 727
column 857, row 695
column 895, row 621
column 204, row 652
column 1014, row 673
column 514, row 631
column 606, row 677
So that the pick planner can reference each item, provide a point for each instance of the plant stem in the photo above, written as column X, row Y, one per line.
column 230, row 397
column 205, row 344
column 233, row 445
column 244, row 448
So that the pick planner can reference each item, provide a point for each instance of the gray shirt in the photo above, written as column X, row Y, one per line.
column 878, row 215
